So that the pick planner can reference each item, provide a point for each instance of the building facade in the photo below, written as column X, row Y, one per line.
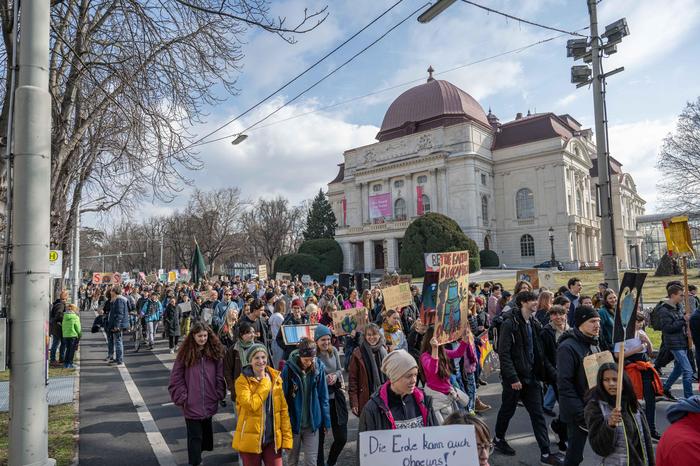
column 505, row 184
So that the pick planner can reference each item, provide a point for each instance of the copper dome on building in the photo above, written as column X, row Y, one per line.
column 433, row 104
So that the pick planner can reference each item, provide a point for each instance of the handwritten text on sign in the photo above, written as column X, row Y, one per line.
column 453, row 445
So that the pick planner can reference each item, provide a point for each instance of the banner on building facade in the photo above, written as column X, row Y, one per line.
column 380, row 206
column 419, row 200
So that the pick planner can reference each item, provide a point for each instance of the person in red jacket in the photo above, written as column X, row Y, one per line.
column 680, row 444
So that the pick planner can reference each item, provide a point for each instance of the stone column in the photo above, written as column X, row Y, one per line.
column 348, row 256
column 435, row 203
column 363, row 203
column 444, row 203
column 368, row 247
column 392, row 249
column 410, row 197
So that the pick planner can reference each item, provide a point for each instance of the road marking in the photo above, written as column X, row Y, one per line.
column 155, row 438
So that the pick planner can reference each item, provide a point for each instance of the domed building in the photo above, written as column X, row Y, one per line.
column 508, row 185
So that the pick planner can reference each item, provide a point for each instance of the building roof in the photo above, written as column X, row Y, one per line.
column 533, row 128
column 341, row 174
column 430, row 105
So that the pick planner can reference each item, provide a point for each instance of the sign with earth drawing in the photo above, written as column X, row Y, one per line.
column 347, row 320
column 452, row 293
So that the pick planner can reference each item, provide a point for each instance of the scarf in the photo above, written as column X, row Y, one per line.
column 389, row 331
column 242, row 347
column 375, row 356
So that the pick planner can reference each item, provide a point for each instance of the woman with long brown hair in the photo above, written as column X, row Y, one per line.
column 544, row 302
column 197, row 385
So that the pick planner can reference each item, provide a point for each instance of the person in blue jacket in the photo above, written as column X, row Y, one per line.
column 306, row 392
column 152, row 311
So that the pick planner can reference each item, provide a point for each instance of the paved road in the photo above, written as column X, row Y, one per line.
column 116, row 430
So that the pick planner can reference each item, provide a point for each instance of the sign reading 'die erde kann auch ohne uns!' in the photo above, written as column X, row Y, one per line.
column 453, row 445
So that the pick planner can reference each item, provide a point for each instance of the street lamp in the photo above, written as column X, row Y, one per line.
column 239, row 139
column 434, row 10
column 551, row 242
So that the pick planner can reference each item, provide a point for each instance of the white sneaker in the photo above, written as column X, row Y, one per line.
column 172, row 350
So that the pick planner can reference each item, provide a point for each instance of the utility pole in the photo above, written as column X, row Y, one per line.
column 30, row 272
column 161, row 250
column 607, row 230
column 76, row 259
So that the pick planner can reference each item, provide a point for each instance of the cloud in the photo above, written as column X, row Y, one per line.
column 567, row 100
column 636, row 145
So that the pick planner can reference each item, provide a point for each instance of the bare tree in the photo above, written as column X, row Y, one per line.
column 129, row 79
column 679, row 162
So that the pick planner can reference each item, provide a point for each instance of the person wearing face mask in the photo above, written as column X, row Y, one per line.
column 197, row 385
column 304, row 383
column 399, row 403
column 263, row 428
column 365, row 375
column 337, row 403
column 617, row 435
column 574, row 345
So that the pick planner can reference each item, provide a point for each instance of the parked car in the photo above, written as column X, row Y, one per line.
column 550, row 265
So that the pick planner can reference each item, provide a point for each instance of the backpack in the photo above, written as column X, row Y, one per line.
column 654, row 316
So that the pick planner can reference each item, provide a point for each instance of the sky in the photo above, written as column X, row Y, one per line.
column 296, row 151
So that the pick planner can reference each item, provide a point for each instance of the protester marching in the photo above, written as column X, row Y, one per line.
column 299, row 359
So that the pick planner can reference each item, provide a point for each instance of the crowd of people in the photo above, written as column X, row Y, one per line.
column 394, row 375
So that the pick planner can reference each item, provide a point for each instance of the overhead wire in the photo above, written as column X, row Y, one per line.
column 522, row 20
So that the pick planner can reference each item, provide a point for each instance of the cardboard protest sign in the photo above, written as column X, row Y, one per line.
column 529, row 275
column 283, row 276
column 398, row 296
column 678, row 239
column 292, row 334
column 592, row 363
column 106, row 278
column 489, row 357
column 262, row 272
column 547, row 280
column 452, row 445
column 452, row 293
column 347, row 320
column 432, row 261
column 429, row 295
column 151, row 278
column 172, row 276
column 306, row 279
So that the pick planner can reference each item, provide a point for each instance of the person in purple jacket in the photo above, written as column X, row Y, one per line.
column 197, row 385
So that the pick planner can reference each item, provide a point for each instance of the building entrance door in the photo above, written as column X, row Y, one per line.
column 378, row 255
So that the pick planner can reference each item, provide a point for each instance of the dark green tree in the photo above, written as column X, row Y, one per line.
column 321, row 222
column 434, row 232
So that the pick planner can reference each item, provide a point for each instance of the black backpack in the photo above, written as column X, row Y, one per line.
column 654, row 316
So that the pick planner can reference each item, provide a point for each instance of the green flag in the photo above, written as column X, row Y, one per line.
column 198, row 270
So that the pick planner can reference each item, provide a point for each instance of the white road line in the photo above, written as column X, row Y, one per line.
column 155, row 438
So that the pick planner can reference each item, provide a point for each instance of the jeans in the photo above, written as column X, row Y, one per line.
column 307, row 440
column 531, row 396
column 115, row 345
column 471, row 391
column 340, row 437
column 550, row 398
column 575, row 445
column 681, row 365
column 200, row 437
column 151, row 330
column 55, row 342
column 70, row 344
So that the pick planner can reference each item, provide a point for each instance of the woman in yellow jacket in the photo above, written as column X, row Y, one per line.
column 263, row 429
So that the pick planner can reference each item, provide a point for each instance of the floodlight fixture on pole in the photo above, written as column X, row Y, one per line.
column 239, row 139
column 434, row 10
column 581, row 74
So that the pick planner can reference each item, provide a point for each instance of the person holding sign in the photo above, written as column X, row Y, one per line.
column 399, row 403
column 263, row 428
column 523, row 368
column 304, row 383
column 436, row 367
column 296, row 317
column 617, row 435
column 674, row 327
column 574, row 346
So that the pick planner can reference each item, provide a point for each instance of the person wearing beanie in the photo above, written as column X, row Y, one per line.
column 294, row 317
column 306, row 392
column 263, row 430
column 573, row 346
column 337, row 404
column 399, row 403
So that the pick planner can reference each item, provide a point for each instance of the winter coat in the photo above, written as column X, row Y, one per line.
column 152, row 310
column 680, row 444
column 118, row 314
column 673, row 327
column 512, row 351
column 199, row 388
column 293, row 391
column 250, row 405
column 383, row 410
column 71, row 325
column 573, row 303
column 56, row 318
column 220, row 312
column 359, row 391
column 548, row 335
column 628, row 444
column 232, row 369
column 607, row 322
column 171, row 319
column 571, row 377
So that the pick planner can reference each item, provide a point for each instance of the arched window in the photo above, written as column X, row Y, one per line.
column 400, row 209
column 527, row 246
column 524, row 204
column 426, row 203
column 485, row 210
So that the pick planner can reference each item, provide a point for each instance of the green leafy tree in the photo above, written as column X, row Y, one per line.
column 321, row 222
column 434, row 232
